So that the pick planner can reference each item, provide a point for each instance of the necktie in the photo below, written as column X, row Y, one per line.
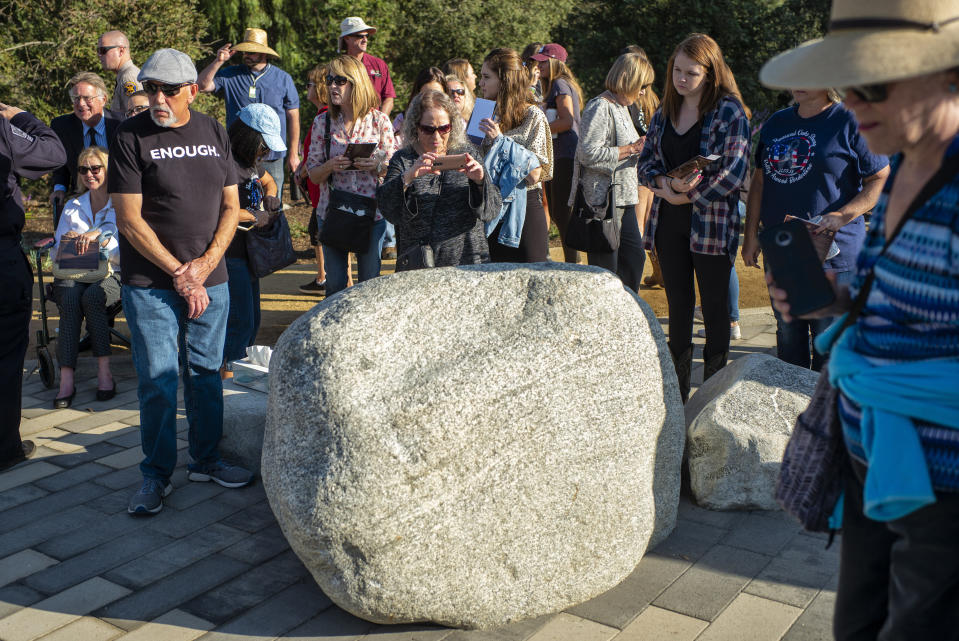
column 91, row 134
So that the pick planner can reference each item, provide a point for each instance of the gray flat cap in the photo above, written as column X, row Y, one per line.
column 168, row 66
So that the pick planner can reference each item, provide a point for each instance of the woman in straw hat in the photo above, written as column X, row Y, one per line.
column 897, row 364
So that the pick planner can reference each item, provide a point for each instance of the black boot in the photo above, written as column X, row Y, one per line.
column 684, row 368
column 712, row 363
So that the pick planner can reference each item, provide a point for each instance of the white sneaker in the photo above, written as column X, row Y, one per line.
column 735, row 333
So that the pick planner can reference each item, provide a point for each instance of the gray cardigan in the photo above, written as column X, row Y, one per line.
column 604, row 127
column 447, row 211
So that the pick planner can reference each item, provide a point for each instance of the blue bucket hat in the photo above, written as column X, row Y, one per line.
column 262, row 118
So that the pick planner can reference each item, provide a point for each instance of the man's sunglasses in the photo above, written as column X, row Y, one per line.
column 458, row 92
column 102, row 51
column 92, row 169
column 869, row 93
column 361, row 36
column 339, row 81
column 441, row 130
column 169, row 91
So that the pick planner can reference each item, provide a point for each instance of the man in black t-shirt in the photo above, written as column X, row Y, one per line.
column 173, row 184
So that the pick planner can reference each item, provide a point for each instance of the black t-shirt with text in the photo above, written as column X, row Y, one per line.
column 181, row 173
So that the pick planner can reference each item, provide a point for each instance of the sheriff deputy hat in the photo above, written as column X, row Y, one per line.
column 254, row 40
column 263, row 118
column 168, row 66
column 871, row 42
column 352, row 25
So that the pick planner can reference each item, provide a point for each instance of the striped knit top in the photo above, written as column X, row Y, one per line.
column 912, row 312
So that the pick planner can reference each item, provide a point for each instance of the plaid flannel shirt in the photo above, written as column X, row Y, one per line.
column 716, row 222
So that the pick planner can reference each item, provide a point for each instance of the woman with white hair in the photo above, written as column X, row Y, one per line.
column 895, row 356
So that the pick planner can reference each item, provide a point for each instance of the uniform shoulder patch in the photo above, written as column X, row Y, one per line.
column 131, row 87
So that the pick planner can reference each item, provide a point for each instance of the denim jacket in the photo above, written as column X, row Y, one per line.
column 508, row 163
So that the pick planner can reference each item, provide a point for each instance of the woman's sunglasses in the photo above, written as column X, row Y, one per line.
column 339, row 81
column 92, row 169
column 869, row 93
column 442, row 129
column 458, row 92
column 169, row 91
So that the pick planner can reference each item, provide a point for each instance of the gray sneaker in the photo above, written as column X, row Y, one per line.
column 149, row 498
column 220, row 472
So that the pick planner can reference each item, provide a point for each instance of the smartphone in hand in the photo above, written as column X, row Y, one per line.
column 796, row 267
column 448, row 163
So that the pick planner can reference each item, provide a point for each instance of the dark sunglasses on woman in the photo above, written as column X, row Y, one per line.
column 338, row 81
column 869, row 93
column 442, row 129
column 458, row 92
column 92, row 169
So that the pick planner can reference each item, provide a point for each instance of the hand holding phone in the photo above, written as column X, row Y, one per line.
column 448, row 163
column 796, row 268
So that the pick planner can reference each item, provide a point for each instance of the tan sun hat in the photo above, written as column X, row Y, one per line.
column 352, row 25
column 870, row 42
column 254, row 40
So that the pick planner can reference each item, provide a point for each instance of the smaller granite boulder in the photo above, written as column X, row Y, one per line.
column 737, row 426
column 244, row 419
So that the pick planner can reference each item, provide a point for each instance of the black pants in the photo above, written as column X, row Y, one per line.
column 16, row 300
column 679, row 265
column 534, row 241
column 557, row 194
column 898, row 580
column 628, row 261
column 78, row 301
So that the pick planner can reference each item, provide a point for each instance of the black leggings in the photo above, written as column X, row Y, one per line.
column 533, row 243
column 628, row 261
column 557, row 194
column 679, row 265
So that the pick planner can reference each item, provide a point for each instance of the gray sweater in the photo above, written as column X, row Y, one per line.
column 446, row 211
column 604, row 127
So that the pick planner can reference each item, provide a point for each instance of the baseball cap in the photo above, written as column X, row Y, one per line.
column 168, row 66
column 262, row 118
column 552, row 50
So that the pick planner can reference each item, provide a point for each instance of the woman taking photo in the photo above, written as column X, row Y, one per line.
column 87, row 220
column 694, row 224
column 606, row 157
column 253, row 135
column 896, row 365
column 442, row 209
column 504, row 80
column 563, row 101
column 353, row 118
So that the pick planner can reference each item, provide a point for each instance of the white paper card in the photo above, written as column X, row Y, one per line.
column 482, row 109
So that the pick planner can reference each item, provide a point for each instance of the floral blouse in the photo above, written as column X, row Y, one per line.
column 373, row 127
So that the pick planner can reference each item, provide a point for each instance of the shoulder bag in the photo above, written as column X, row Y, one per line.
column 270, row 248
column 349, row 217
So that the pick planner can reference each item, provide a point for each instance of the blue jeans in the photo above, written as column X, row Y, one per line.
column 243, row 321
column 733, row 295
column 794, row 340
column 276, row 169
column 166, row 344
column 389, row 240
column 368, row 266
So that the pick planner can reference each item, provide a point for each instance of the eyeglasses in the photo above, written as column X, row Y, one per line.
column 169, row 91
column 339, row 81
column 869, row 93
column 361, row 36
column 102, row 51
column 135, row 109
column 441, row 130
column 87, row 99
column 458, row 92
column 92, row 169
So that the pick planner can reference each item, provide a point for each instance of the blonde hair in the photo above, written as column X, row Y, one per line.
column 628, row 75
column 364, row 98
column 559, row 69
column 317, row 75
column 468, row 98
column 97, row 152
column 457, row 67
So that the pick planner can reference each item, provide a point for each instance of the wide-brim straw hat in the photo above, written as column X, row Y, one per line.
column 351, row 25
column 871, row 42
column 254, row 40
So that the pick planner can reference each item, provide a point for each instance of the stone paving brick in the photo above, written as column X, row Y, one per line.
column 130, row 437
column 815, row 623
column 18, row 496
column 274, row 616
column 519, row 631
column 763, row 532
column 102, row 530
column 71, row 477
column 129, row 478
column 246, row 496
column 122, row 459
column 15, row 597
column 23, row 563
column 712, row 583
column 662, row 625
column 407, row 633
column 172, row 591
column 85, row 629
column 112, row 502
column 178, row 523
column 798, row 573
column 692, row 512
column 175, row 625
column 332, row 623
column 59, row 610
column 97, row 419
column 232, row 598
column 87, row 454
column 51, row 504
column 690, row 540
column 192, row 493
column 162, row 561
column 49, row 418
column 566, row 627
column 45, row 528
column 27, row 473
column 260, row 546
column 620, row 605
column 751, row 618
column 97, row 561
column 252, row 519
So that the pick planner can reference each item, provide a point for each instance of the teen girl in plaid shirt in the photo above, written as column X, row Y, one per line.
column 695, row 224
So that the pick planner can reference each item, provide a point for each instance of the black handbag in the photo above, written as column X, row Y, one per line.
column 348, row 224
column 416, row 257
column 270, row 248
column 593, row 229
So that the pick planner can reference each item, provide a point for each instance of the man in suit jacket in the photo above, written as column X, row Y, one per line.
column 88, row 124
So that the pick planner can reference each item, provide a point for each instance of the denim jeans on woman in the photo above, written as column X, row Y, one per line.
column 165, row 344
column 243, row 321
column 368, row 263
